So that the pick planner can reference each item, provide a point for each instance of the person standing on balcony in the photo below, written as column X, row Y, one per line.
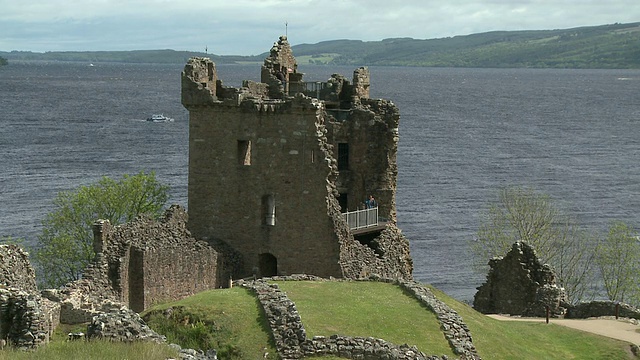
column 371, row 202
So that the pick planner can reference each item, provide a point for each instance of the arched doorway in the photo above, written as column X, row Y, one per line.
column 268, row 265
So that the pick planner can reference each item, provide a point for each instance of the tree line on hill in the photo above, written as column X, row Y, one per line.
column 614, row 46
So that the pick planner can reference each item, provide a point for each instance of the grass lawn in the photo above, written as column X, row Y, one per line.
column 497, row 339
column 61, row 349
column 229, row 320
column 364, row 308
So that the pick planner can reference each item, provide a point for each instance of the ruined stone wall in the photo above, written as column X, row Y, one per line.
column 175, row 272
column 27, row 320
column 519, row 284
column 388, row 256
column 150, row 261
column 201, row 88
column 371, row 130
column 280, row 60
column 361, row 82
column 15, row 269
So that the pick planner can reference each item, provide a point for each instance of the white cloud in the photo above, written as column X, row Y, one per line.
column 249, row 26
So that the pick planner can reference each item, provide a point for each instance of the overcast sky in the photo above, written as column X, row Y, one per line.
column 244, row 27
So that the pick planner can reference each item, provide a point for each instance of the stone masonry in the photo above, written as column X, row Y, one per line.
column 149, row 261
column 519, row 284
column 274, row 165
column 27, row 319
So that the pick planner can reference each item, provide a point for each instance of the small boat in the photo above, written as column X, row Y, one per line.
column 159, row 118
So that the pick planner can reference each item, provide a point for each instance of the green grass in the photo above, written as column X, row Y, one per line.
column 61, row 349
column 231, row 321
column 366, row 309
column 497, row 339
column 228, row 320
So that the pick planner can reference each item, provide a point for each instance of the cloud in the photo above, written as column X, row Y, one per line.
column 249, row 27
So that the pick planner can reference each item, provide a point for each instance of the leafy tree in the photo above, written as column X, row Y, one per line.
column 522, row 215
column 618, row 259
column 3, row 61
column 65, row 246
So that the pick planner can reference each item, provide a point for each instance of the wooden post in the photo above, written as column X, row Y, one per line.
column 547, row 308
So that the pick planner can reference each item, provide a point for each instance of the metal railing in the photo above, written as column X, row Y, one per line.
column 360, row 219
column 308, row 88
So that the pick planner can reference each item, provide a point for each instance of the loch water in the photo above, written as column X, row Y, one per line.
column 464, row 135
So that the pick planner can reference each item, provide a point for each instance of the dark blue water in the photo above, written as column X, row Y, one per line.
column 465, row 133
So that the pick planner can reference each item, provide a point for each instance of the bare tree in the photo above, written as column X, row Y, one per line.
column 618, row 259
column 520, row 214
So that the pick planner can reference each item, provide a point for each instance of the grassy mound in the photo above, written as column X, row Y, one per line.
column 497, row 339
column 230, row 320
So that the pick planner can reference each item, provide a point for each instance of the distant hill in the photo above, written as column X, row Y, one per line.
column 607, row 46
column 135, row 56
column 615, row 46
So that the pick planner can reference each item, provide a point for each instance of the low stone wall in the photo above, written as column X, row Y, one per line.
column 602, row 308
column 292, row 342
column 125, row 325
column 454, row 328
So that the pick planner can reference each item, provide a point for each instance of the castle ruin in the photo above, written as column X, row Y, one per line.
column 279, row 171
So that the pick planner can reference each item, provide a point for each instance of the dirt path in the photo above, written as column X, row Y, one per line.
column 621, row 329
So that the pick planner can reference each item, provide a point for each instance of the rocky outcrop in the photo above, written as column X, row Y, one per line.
column 519, row 284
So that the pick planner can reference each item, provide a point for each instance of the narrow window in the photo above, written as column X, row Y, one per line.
column 269, row 210
column 244, row 152
column 313, row 156
column 343, row 156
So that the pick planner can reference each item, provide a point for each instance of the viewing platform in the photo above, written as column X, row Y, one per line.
column 364, row 221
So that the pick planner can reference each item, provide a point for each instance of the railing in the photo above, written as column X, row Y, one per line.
column 360, row 219
column 308, row 88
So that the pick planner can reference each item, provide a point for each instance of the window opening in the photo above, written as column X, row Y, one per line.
column 343, row 156
column 244, row 152
column 269, row 210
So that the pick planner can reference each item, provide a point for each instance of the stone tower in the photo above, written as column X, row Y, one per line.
column 276, row 166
